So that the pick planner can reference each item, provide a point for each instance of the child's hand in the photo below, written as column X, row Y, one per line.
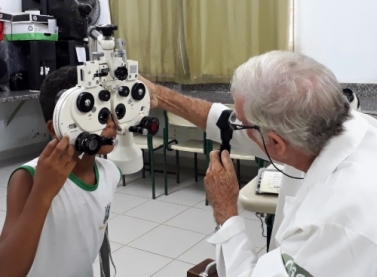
column 55, row 164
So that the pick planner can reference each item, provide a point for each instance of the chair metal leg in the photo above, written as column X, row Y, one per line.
column 143, row 169
column 165, row 173
column 196, row 166
column 124, row 180
column 177, row 162
column 151, row 169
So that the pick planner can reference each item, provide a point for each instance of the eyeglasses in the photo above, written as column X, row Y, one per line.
column 236, row 124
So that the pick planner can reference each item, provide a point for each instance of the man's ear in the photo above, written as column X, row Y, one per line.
column 50, row 128
column 276, row 143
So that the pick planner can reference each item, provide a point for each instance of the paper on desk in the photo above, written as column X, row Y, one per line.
column 269, row 181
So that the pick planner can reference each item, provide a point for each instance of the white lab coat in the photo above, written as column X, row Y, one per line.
column 328, row 227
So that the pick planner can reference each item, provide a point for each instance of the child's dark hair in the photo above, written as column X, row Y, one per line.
column 63, row 78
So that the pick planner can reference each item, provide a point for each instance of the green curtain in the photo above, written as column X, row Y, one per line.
column 199, row 41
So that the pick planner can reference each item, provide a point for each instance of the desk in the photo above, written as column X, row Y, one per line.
column 12, row 96
column 257, row 203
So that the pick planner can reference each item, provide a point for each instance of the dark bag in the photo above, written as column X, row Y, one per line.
column 201, row 270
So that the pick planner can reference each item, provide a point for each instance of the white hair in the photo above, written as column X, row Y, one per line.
column 292, row 95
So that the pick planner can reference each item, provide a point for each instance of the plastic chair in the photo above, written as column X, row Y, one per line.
column 191, row 146
column 151, row 144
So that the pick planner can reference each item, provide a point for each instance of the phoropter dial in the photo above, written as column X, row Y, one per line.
column 120, row 111
column 103, row 115
column 124, row 91
column 138, row 91
column 148, row 126
column 121, row 73
column 91, row 143
column 88, row 143
column 85, row 102
column 104, row 95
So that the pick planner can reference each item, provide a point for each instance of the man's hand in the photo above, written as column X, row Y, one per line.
column 55, row 164
column 222, row 186
column 153, row 89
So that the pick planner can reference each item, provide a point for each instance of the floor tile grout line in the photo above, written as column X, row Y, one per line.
column 172, row 259
column 162, row 223
column 152, row 220
column 169, row 264
column 132, row 207
column 128, row 244
column 181, row 184
column 177, row 187
column 162, row 268
column 185, row 229
column 133, row 247
column 143, row 234
column 147, row 197
column 195, row 245
column 144, row 197
column 191, row 206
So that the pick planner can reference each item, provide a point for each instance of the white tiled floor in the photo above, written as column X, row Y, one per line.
column 161, row 238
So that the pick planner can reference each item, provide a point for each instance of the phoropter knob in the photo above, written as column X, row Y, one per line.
column 85, row 102
column 124, row 91
column 121, row 73
column 138, row 91
column 104, row 95
column 148, row 126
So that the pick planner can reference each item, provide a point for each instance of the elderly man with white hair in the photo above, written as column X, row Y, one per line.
column 290, row 108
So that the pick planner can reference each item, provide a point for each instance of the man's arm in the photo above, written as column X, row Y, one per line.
column 192, row 109
column 197, row 111
column 28, row 202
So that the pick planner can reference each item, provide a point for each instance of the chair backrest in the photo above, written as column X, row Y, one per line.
column 178, row 121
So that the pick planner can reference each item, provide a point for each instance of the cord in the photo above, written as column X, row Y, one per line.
column 261, row 220
column 100, row 264
column 110, row 255
column 265, row 149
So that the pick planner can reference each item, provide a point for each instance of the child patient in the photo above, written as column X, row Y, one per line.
column 57, row 205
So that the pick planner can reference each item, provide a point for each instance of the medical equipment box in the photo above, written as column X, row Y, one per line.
column 28, row 26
